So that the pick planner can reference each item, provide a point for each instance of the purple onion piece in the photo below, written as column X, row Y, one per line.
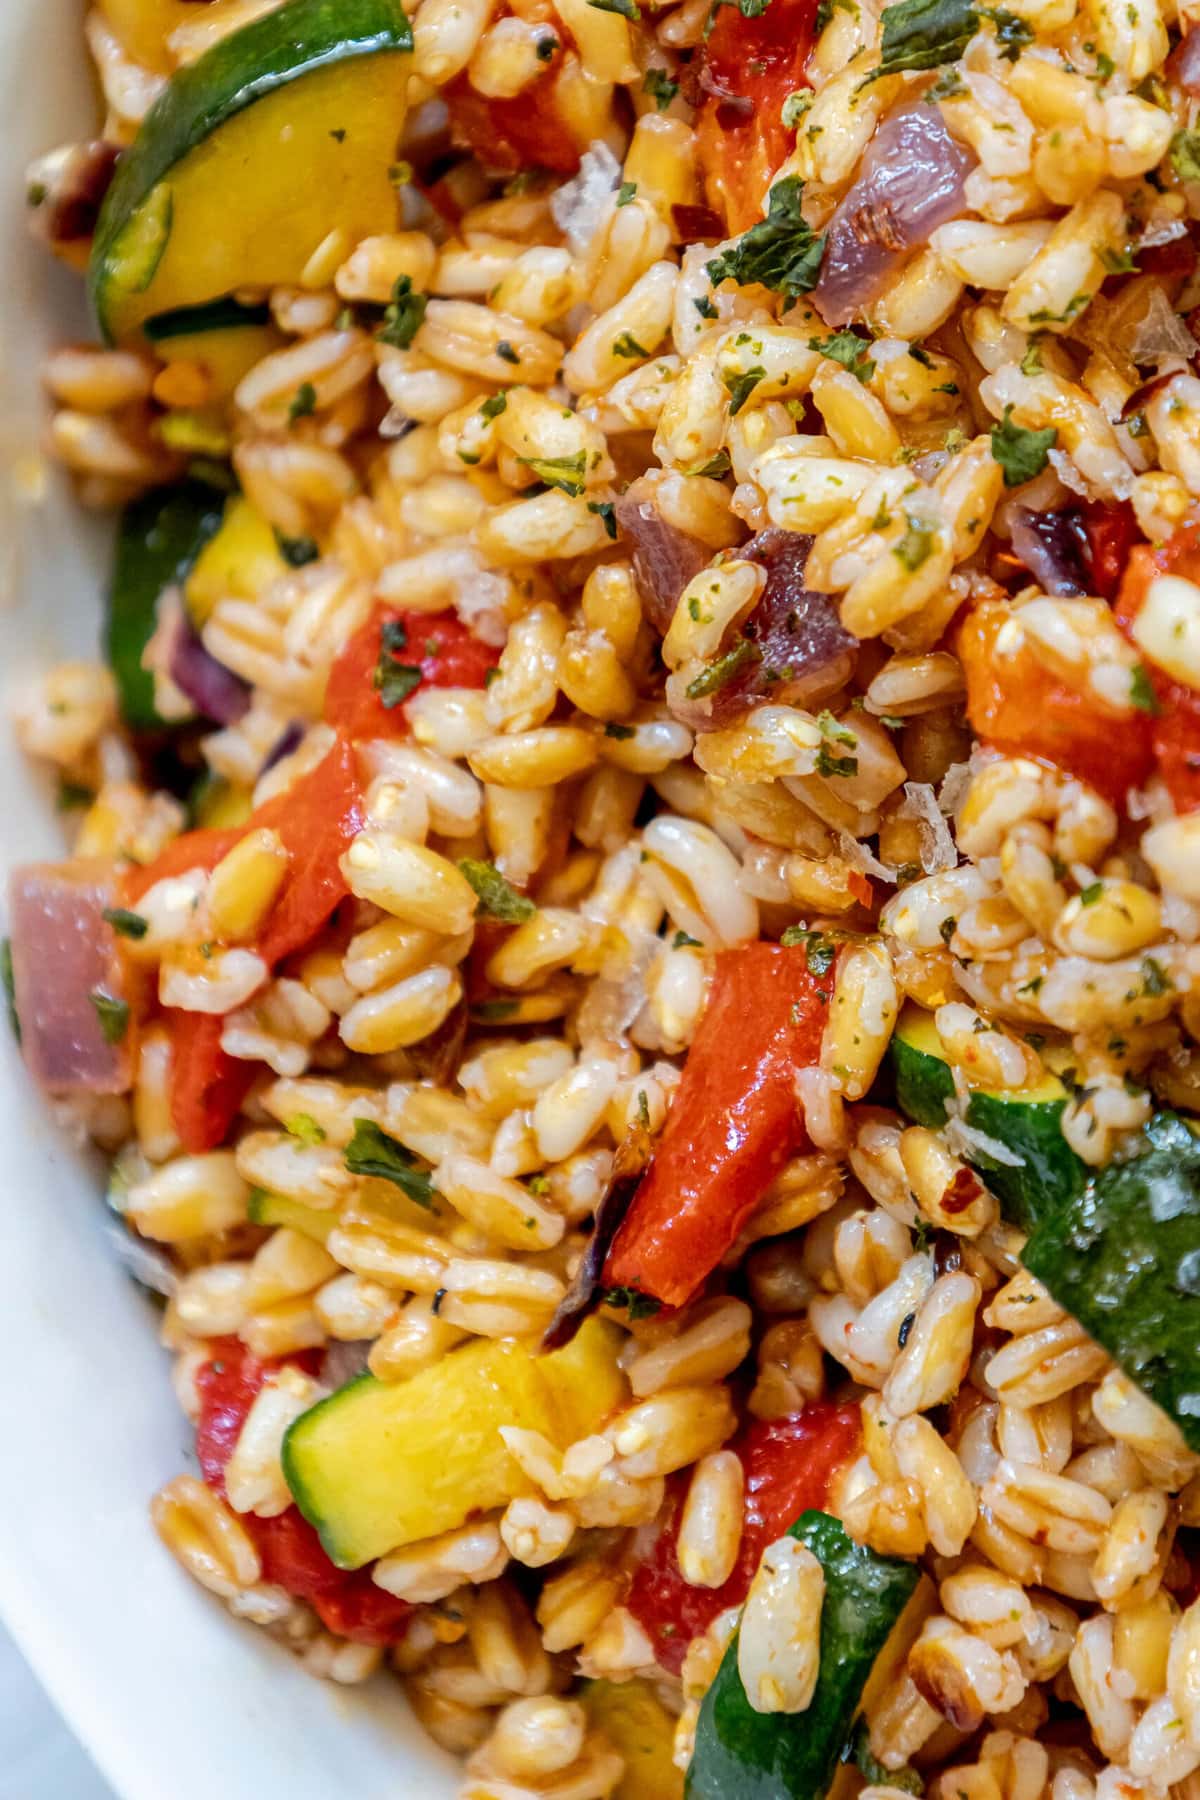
column 1183, row 64
column 343, row 1362
column 664, row 558
column 586, row 1289
column 287, row 741
column 911, row 182
column 806, row 653
column 213, row 690
column 1052, row 545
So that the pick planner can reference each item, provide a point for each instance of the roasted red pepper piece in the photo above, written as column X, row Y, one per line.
column 1112, row 531
column 347, row 1602
column 789, row 1466
column 1175, row 731
column 750, row 66
column 439, row 644
column 317, row 818
column 529, row 131
column 1016, row 704
column 733, row 1122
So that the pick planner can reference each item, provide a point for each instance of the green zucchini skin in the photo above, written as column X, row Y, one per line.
column 1050, row 1174
column 297, row 38
column 159, row 538
column 226, row 314
column 1124, row 1259
column 741, row 1754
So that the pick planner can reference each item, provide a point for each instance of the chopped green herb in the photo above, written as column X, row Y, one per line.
column 403, row 315
column 795, row 107
column 303, row 403
column 620, row 732
column 1119, row 262
column 393, row 680
column 1105, row 66
column 504, row 349
column 847, row 348
column 606, row 511
column 947, row 928
column 400, row 173
column 498, row 899
column 1013, row 34
column 714, row 467
column 781, row 251
column 1021, row 454
column 565, row 472
column 627, row 345
column 742, row 386
column 72, row 794
column 662, row 90
column 829, row 763
column 628, row 9
column 1155, row 980
column 494, row 1012
column 681, row 941
column 125, row 923
column 916, row 546
column 113, row 1015
column 627, row 1299
column 304, row 1127
column 494, row 405
column 924, row 34
column 1089, row 895
column 9, row 985
column 948, row 84
column 1185, row 155
column 1031, row 362
column 819, row 950
column 1141, row 690
column 296, row 551
column 625, row 192
column 704, row 306
column 720, row 673
column 372, row 1152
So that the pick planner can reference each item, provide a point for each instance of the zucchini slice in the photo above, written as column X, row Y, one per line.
column 1027, row 1121
column 240, row 561
column 638, row 1725
column 267, row 1208
column 380, row 1464
column 224, row 338
column 1124, row 1259
column 874, row 1608
column 159, row 538
column 250, row 157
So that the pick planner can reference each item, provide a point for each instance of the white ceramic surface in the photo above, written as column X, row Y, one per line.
column 171, row 1696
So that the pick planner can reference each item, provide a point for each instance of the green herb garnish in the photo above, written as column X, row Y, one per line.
column 125, row 923
column 497, row 897
column 372, row 1152
column 781, row 251
column 403, row 315
column 1021, row 454
column 112, row 1013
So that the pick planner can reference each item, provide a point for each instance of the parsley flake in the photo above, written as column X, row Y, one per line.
column 781, row 252
column 372, row 1152
column 720, row 673
column 498, row 899
column 125, row 923
column 112, row 1013
column 403, row 315
column 1021, row 454
column 565, row 472
column 662, row 90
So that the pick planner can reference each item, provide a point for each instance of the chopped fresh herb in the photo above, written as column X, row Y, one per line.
column 714, row 466
column 1119, row 262
column 627, row 345
column 9, row 985
column 947, row 928
column 720, row 673
column 394, row 635
column 1137, row 425
column 1185, row 155
column 924, row 34
column 606, row 511
column 704, row 306
column 504, row 349
column 304, row 1127
column 1141, row 690
column 125, row 923
column 922, row 1237
column 403, row 315
column 625, row 192
column 113, row 1015
column 621, row 732
column 628, row 9
column 847, row 348
column 781, row 251
column 742, row 386
column 497, row 898
column 1155, row 980
column 681, row 941
column 1013, row 34
column 72, row 794
column 372, row 1152
column 662, row 90
column 795, row 107
column 1105, row 66
column 1031, row 362
column 819, row 951
column 393, row 680
column 36, row 194
column 400, row 173
column 916, row 546
column 296, row 551
column 920, row 356
column 493, row 406
column 834, row 730
column 1021, row 454
column 947, row 387
column 829, row 763
column 304, row 402
column 626, row 1299
column 1089, row 895
column 565, row 472
column 494, row 1012
column 948, row 84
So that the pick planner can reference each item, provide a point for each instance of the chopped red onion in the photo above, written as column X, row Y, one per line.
column 1183, row 64
column 63, row 953
column 806, row 653
column 911, row 181
column 1052, row 546
column 343, row 1362
column 287, row 741
column 664, row 558
column 215, row 691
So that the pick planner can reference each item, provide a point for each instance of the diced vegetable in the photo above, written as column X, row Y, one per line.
column 349, row 1604
column 381, row 1464
column 639, row 1727
column 1015, row 703
column 203, row 203
column 267, row 1208
column 733, row 1122
column 389, row 658
column 1174, row 728
column 1124, row 1259
column 874, row 1606
column 240, row 560
column 790, row 1466
column 1027, row 1121
column 223, row 338
column 69, row 991
column 752, row 62
column 160, row 537
column 532, row 130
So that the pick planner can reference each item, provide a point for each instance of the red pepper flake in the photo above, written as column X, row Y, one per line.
column 965, row 1188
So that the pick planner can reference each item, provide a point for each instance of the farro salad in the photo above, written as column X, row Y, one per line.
column 632, row 927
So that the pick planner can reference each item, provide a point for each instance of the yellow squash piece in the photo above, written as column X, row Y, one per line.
column 382, row 1464
column 239, row 561
column 639, row 1727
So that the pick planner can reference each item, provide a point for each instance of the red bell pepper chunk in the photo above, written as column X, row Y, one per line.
column 1015, row 703
column 750, row 68
column 1175, row 730
column 317, row 819
column 529, row 131
column 439, row 644
column 733, row 1122
column 346, row 1601
column 1112, row 531
column 789, row 1465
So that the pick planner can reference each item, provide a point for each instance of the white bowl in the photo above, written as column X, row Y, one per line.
column 170, row 1694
